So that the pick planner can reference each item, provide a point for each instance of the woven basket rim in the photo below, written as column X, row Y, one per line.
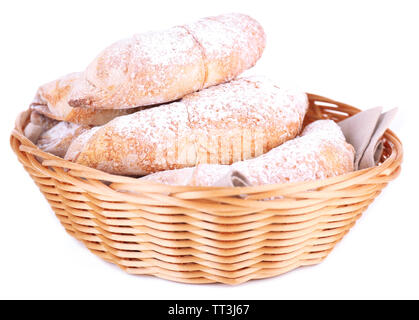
column 189, row 192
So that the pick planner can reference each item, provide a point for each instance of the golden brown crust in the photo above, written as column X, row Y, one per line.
column 231, row 43
column 222, row 124
column 137, row 144
column 163, row 66
column 146, row 69
column 320, row 152
column 51, row 101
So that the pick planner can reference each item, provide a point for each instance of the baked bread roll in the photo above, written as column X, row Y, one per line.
column 162, row 66
column 38, row 123
column 222, row 124
column 51, row 100
column 57, row 139
column 320, row 152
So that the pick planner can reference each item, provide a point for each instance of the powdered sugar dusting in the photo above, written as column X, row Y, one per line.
column 320, row 152
column 231, row 43
column 154, row 124
column 185, row 133
column 148, row 68
column 165, row 47
column 79, row 144
column 54, row 94
column 251, row 115
column 51, row 100
column 180, row 177
column 139, row 143
column 162, row 66
column 244, row 103
column 57, row 139
column 37, row 125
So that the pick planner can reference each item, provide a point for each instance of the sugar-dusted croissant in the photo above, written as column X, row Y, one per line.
column 37, row 124
column 163, row 66
column 234, row 121
column 57, row 139
column 51, row 100
column 320, row 152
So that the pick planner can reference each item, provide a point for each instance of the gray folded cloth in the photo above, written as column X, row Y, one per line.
column 363, row 131
column 233, row 178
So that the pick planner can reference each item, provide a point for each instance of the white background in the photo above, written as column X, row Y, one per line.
column 364, row 53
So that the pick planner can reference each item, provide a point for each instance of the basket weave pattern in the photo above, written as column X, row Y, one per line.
column 207, row 234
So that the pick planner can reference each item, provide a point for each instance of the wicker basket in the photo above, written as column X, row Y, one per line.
column 207, row 234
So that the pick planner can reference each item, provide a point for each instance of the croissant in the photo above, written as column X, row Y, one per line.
column 57, row 139
column 222, row 124
column 51, row 100
column 163, row 66
column 320, row 152
column 37, row 124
